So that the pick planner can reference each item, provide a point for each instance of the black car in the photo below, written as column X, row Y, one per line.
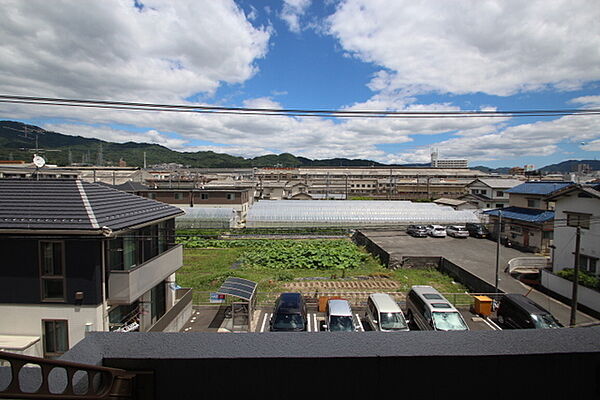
column 519, row 312
column 417, row 230
column 477, row 230
column 289, row 314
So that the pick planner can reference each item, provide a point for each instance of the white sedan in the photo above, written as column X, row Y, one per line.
column 436, row 231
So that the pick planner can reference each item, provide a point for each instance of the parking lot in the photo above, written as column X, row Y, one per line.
column 215, row 319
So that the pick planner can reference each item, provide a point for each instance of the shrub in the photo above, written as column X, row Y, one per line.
column 585, row 278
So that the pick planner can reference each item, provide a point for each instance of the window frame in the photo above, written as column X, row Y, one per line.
column 54, row 277
column 44, row 335
column 583, row 223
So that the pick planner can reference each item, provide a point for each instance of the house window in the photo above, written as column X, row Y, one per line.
column 588, row 264
column 56, row 337
column 499, row 205
column 152, row 196
column 204, row 196
column 230, row 196
column 533, row 203
column 178, row 196
column 578, row 219
column 52, row 267
column 500, row 193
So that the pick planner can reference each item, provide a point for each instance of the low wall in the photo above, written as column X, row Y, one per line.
column 473, row 282
column 585, row 296
column 361, row 364
column 420, row 262
column 360, row 239
column 176, row 316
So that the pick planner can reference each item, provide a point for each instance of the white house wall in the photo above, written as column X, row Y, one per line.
column 564, row 236
column 26, row 319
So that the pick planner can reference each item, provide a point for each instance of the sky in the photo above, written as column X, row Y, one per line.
column 395, row 55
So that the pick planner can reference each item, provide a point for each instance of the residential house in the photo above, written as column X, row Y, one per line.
column 80, row 257
column 577, row 205
column 227, row 197
column 490, row 192
column 528, row 221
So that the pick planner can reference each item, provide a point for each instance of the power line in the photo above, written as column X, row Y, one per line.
column 203, row 109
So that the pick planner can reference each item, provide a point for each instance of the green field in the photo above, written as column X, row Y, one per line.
column 271, row 263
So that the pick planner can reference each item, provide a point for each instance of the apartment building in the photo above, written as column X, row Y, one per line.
column 81, row 257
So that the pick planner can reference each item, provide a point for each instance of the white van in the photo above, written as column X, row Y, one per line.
column 429, row 310
column 384, row 314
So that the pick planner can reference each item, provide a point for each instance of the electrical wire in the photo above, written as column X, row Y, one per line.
column 137, row 106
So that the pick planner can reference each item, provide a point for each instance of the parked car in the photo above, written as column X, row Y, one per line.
column 520, row 312
column 339, row 317
column 384, row 314
column 289, row 314
column 417, row 230
column 436, row 231
column 457, row 231
column 477, row 230
column 429, row 310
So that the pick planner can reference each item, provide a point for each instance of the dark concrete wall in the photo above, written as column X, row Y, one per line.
column 473, row 282
column 360, row 239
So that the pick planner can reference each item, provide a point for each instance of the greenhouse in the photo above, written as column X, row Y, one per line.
column 351, row 213
column 207, row 217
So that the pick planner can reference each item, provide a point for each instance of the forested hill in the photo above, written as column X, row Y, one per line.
column 16, row 137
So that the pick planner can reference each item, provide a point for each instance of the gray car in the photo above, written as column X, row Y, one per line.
column 417, row 230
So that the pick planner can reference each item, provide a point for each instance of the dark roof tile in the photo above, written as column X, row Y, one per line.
column 61, row 205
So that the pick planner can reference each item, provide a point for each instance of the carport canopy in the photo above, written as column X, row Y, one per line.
column 238, row 287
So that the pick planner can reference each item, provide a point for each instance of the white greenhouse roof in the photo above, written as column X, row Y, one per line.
column 207, row 213
column 206, row 217
column 352, row 213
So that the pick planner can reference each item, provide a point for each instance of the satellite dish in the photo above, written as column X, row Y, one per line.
column 39, row 161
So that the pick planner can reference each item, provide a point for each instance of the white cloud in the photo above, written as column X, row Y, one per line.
column 111, row 49
column 498, row 47
column 541, row 138
column 594, row 145
column 292, row 11
column 587, row 100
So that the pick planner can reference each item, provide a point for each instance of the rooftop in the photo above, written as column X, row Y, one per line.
column 523, row 214
column 539, row 188
column 58, row 205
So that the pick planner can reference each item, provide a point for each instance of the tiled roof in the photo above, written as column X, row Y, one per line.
column 523, row 214
column 541, row 188
column 499, row 183
column 74, row 205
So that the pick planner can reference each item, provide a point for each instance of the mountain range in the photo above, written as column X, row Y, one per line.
column 18, row 141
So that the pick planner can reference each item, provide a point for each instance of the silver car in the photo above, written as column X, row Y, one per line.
column 457, row 231
column 339, row 317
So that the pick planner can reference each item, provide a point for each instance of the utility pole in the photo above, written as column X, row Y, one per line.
column 498, row 249
column 573, row 320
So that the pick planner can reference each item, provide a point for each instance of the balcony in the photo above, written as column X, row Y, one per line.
column 125, row 287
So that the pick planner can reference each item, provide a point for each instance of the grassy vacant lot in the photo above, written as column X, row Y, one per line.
column 271, row 263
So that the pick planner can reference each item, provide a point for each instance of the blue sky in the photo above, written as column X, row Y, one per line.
column 351, row 54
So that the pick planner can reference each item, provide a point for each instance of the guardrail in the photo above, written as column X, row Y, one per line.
column 26, row 377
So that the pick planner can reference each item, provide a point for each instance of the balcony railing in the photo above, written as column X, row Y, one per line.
column 26, row 377
column 125, row 287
